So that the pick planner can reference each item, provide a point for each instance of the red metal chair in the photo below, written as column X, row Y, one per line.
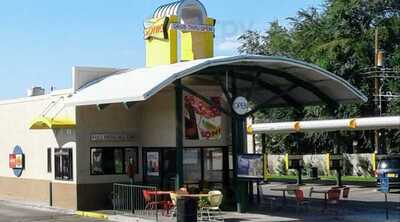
column 333, row 196
column 334, row 199
column 300, row 200
column 150, row 203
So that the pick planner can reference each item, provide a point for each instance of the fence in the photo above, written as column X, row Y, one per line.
column 135, row 200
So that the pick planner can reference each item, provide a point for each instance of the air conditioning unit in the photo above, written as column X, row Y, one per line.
column 35, row 91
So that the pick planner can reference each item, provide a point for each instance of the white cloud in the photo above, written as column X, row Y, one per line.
column 229, row 44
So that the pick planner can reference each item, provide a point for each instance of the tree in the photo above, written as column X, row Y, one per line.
column 340, row 38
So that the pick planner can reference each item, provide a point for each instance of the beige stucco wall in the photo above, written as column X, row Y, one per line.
column 16, row 117
column 113, row 119
column 33, row 185
column 151, row 122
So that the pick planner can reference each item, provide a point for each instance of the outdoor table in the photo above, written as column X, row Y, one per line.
column 283, row 190
column 325, row 192
column 193, row 195
column 160, row 193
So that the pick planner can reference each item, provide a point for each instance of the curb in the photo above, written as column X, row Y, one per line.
column 93, row 215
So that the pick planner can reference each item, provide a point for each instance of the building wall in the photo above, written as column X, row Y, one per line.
column 151, row 122
column 34, row 183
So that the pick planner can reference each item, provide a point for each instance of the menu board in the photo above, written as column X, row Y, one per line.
column 251, row 166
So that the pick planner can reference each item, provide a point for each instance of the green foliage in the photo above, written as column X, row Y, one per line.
column 340, row 38
column 281, row 168
column 365, row 167
column 348, row 166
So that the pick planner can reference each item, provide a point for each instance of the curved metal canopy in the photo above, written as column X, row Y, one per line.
column 277, row 81
column 175, row 8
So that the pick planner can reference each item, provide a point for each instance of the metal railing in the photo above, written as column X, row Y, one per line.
column 132, row 200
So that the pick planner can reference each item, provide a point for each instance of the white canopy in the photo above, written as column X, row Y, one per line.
column 372, row 123
column 289, row 80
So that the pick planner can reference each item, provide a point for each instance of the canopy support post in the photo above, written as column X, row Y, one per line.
column 179, row 133
column 238, row 145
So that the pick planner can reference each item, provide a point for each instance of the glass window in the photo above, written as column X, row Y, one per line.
column 213, row 164
column 389, row 164
column 109, row 161
column 63, row 164
column 191, row 165
column 131, row 154
column 49, row 160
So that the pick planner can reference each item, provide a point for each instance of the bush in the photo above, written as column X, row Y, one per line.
column 364, row 167
column 281, row 168
column 348, row 166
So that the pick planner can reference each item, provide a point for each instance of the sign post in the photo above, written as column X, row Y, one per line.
column 384, row 188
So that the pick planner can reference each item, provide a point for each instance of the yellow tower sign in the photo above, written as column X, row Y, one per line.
column 179, row 31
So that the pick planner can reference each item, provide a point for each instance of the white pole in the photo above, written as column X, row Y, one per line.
column 328, row 125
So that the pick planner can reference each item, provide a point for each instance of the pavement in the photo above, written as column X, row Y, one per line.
column 11, row 211
column 364, row 205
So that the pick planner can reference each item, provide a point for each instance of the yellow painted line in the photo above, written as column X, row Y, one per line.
column 92, row 215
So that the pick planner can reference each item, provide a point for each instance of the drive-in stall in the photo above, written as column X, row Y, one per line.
column 180, row 120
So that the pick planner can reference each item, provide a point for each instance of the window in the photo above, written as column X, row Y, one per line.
column 213, row 165
column 63, row 164
column 49, row 160
column 192, row 165
column 112, row 161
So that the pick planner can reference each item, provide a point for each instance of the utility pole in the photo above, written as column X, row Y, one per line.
column 378, row 107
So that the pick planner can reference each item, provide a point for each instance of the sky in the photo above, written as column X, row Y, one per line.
column 41, row 40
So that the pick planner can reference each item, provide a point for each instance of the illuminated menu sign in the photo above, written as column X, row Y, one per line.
column 16, row 161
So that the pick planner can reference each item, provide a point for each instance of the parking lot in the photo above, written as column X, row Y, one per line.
column 12, row 212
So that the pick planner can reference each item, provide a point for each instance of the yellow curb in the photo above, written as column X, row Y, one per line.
column 92, row 215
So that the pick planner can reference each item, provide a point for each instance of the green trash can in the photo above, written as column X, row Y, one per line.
column 186, row 209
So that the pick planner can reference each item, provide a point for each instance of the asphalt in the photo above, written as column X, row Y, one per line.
column 13, row 212
column 364, row 205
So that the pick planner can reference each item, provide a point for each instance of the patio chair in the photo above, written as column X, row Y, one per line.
column 334, row 199
column 213, row 211
column 150, row 203
column 346, row 192
column 310, row 193
column 300, row 200
column 172, row 207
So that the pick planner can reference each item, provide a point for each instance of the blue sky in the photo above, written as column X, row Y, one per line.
column 40, row 40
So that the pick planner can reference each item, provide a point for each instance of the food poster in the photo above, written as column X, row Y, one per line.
column 202, row 121
column 153, row 164
column 97, row 160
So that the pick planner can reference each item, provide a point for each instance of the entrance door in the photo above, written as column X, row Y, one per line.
column 159, row 167
column 203, row 167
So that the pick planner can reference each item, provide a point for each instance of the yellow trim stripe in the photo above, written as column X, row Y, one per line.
column 94, row 215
